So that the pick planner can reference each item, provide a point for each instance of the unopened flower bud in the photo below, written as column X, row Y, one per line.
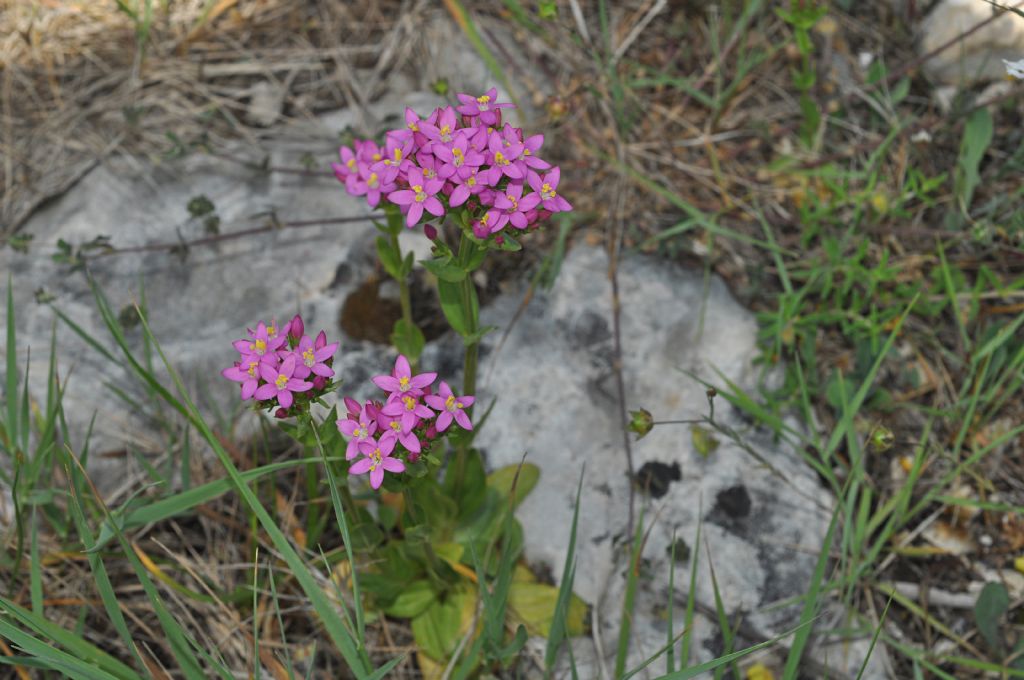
column 430, row 231
column 881, row 439
column 641, row 422
column 296, row 327
column 281, row 413
column 319, row 382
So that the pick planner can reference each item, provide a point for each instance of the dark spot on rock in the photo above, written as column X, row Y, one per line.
column 597, row 540
column 734, row 502
column 366, row 314
column 342, row 275
column 682, row 550
column 604, row 489
column 654, row 478
column 590, row 329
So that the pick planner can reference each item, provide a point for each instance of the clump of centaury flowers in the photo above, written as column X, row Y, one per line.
column 458, row 157
column 284, row 371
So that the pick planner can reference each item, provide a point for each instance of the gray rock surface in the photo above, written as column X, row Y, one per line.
column 977, row 57
column 762, row 524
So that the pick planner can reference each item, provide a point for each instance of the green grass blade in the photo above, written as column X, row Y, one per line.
column 691, row 602
column 53, row 658
column 625, row 626
column 556, row 635
column 12, row 372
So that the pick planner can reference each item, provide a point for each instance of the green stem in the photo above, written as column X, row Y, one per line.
column 472, row 353
column 404, row 296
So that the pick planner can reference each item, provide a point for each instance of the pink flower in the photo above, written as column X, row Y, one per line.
column 265, row 339
column 397, row 150
column 545, row 187
column 515, row 204
column 280, row 383
column 347, row 166
column 502, row 159
column 402, row 382
column 491, row 223
column 371, row 185
column 310, row 359
column 444, row 130
column 457, row 158
column 465, row 187
column 247, row 372
column 377, row 460
column 358, row 429
column 419, row 195
column 409, row 409
column 391, row 426
column 485, row 106
column 450, row 408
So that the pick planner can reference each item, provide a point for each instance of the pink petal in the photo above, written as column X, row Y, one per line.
column 265, row 392
column 463, row 420
column 284, row 397
column 392, row 464
column 443, row 421
column 377, row 476
column 361, row 466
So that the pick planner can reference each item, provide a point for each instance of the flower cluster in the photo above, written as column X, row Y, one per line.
column 278, row 363
column 457, row 157
column 409, row 419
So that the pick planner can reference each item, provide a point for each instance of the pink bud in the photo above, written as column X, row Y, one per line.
column 413, row 457
column 430, row 231
column 281, row 413
column 353, row 408
column 296, row 327
column 321, row 340
column 431, row 432
column 319, row 382
column 499, row 240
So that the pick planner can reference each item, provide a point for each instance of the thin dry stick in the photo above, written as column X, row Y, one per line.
column 242, row 233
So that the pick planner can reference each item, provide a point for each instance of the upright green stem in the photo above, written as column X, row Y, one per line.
column 469, row 366
column 403, row 293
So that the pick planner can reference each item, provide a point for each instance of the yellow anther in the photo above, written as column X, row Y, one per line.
column 309, row 358
column 281, row 381
column 260, row 346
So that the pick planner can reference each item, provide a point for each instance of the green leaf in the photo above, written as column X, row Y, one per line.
column 534, row 604
column 408, row 339
column 444, row 269
column 993, row 601
column 450, row 295
column 441, row 625
column 389, row 257
column 412, row 601
column 502, row 479
column 473, row 338
column 977, row 137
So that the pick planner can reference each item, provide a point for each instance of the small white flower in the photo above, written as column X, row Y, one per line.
column 1015, row 68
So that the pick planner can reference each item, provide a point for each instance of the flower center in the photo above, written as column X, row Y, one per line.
column 252, row 368
column 429, row 173
column 410, row 403
column 483, row 102
column 471, row 181
column 351, row 164
column 458, row 157
column 420, row 196
column 547, row 192
column 500, row 159
column 446, row 133
column 398, row 157
column 375, row 457
column 403, row 383
column 449, row 403
column 413, row 126
column 396, row 425
column 372, row 181
column 359, row 433
column 515, row 203
column 260, row 346
column 309, row 358
column 376, row 157
column 281, row 381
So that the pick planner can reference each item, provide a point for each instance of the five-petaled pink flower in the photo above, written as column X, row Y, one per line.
column 449, row 407
column 391, row 426
column 265, row 339
column 544, row 187
column 358, row 429
column 281, row 383
column 402, row 382
column 486, row 106
column 377, row 459
column 516, row 205
column 311, row 358
column 247, row 372
column 419, row 196
column 409, row 409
